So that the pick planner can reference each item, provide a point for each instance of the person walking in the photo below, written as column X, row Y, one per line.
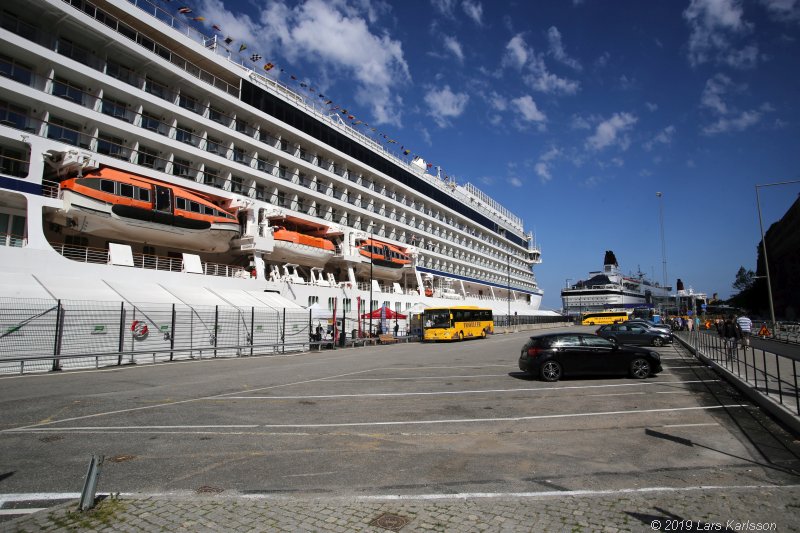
column 730, row 331
column 746, row 328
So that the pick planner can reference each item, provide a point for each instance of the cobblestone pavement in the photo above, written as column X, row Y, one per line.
column 774, row 508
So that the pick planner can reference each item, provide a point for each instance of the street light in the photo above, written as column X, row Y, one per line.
column 764, row 245
column 508, row 288
column 663, row 243
column 371, row 248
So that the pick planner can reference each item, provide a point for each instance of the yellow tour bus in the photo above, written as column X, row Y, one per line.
column 604, row 317
column 456, row 323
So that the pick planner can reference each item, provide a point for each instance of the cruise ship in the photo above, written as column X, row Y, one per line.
column 142, row 161
column 610, row 289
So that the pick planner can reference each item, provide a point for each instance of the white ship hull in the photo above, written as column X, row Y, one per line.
column 469, row 248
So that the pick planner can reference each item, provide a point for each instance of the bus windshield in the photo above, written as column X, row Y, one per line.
column 437, row 318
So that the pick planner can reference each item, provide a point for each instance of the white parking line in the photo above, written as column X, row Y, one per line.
column 101, row 429
column 448, row 393
column 689, row 425
column 504, row 419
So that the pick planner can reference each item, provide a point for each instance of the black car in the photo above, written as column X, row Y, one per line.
column 635, row 334
column 553, row 355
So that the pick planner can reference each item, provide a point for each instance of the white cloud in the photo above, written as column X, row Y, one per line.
column 714, row 24
column 736, row 122
column 714, row 91
column 651, row 106
column 474, row 10
column 726, row 118
column 498, row 102
column 444, row 104
column 517, row 52
column 452, row 44
column 337, row 36
column 783, row 10
column 557, row 49
column 543, row 167
column 663, row 137
column 520, row 56
column 445, row 7
column 515, row 182
column 612, row 132
column 541, row 79
column 527, row 109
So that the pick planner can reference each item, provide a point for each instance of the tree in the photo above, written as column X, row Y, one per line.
column 744, row 280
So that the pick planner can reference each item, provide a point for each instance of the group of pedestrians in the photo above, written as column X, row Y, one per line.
column 735, row 331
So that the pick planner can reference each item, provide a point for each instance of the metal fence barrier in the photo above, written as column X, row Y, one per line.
column 41, row 335
column 771, row 374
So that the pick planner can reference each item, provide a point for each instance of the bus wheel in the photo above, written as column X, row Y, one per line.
column 461, row 335
column 483, row 334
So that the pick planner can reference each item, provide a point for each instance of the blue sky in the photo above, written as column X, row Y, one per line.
column 571, row 113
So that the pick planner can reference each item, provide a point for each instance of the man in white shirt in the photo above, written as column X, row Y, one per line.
column 745, row 326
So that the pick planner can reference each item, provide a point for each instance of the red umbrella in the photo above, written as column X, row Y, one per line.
column 389, row 314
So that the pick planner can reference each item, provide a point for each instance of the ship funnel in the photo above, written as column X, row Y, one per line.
column 610, row 259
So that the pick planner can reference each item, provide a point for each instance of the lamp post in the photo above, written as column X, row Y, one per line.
column 371, row 248
column 508, row 288
column 764, row 245
column 663, row 243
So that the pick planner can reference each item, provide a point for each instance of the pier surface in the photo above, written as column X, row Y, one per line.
column 408, row 437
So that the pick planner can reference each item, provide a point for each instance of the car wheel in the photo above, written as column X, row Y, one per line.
column 658, row 341
column 551, row 371
column 640, row 368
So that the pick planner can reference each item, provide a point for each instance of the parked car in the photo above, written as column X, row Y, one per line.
column 648, row 324
column 635, row 334
column 553, row 355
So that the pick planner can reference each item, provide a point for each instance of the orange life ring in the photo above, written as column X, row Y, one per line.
column 428, row 291
column 139, row 329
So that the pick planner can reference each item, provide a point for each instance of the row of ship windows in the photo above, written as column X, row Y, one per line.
column 119, row 109
column 108, row 145
column 137, row 193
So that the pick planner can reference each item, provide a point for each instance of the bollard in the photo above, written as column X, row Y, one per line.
column 90, row 485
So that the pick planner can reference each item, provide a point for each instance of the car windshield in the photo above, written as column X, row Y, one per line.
column 437, row 319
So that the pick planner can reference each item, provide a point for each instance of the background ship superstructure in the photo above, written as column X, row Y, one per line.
column 611, row 289
column 93, row 87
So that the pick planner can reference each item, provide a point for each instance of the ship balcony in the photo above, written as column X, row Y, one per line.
column 85, row 254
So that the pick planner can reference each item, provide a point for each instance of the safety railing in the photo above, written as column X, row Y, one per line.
column 769, row 368
column 43, row 335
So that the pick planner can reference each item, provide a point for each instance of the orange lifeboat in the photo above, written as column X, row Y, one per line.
column 383, row 254
column 118, row 205
column 382, row 260
column 296, row 247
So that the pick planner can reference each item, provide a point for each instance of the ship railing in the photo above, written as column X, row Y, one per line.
column 86, row 254
column 162, row 51
column 12, row 241
column 70, row 134
column 10, row 165
column 15, row 25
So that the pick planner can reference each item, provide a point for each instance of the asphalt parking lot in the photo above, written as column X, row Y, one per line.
column 409, row 420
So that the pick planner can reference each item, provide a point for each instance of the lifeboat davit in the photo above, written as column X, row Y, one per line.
column 296, row 247
column 118, row 205
column 386, row 260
